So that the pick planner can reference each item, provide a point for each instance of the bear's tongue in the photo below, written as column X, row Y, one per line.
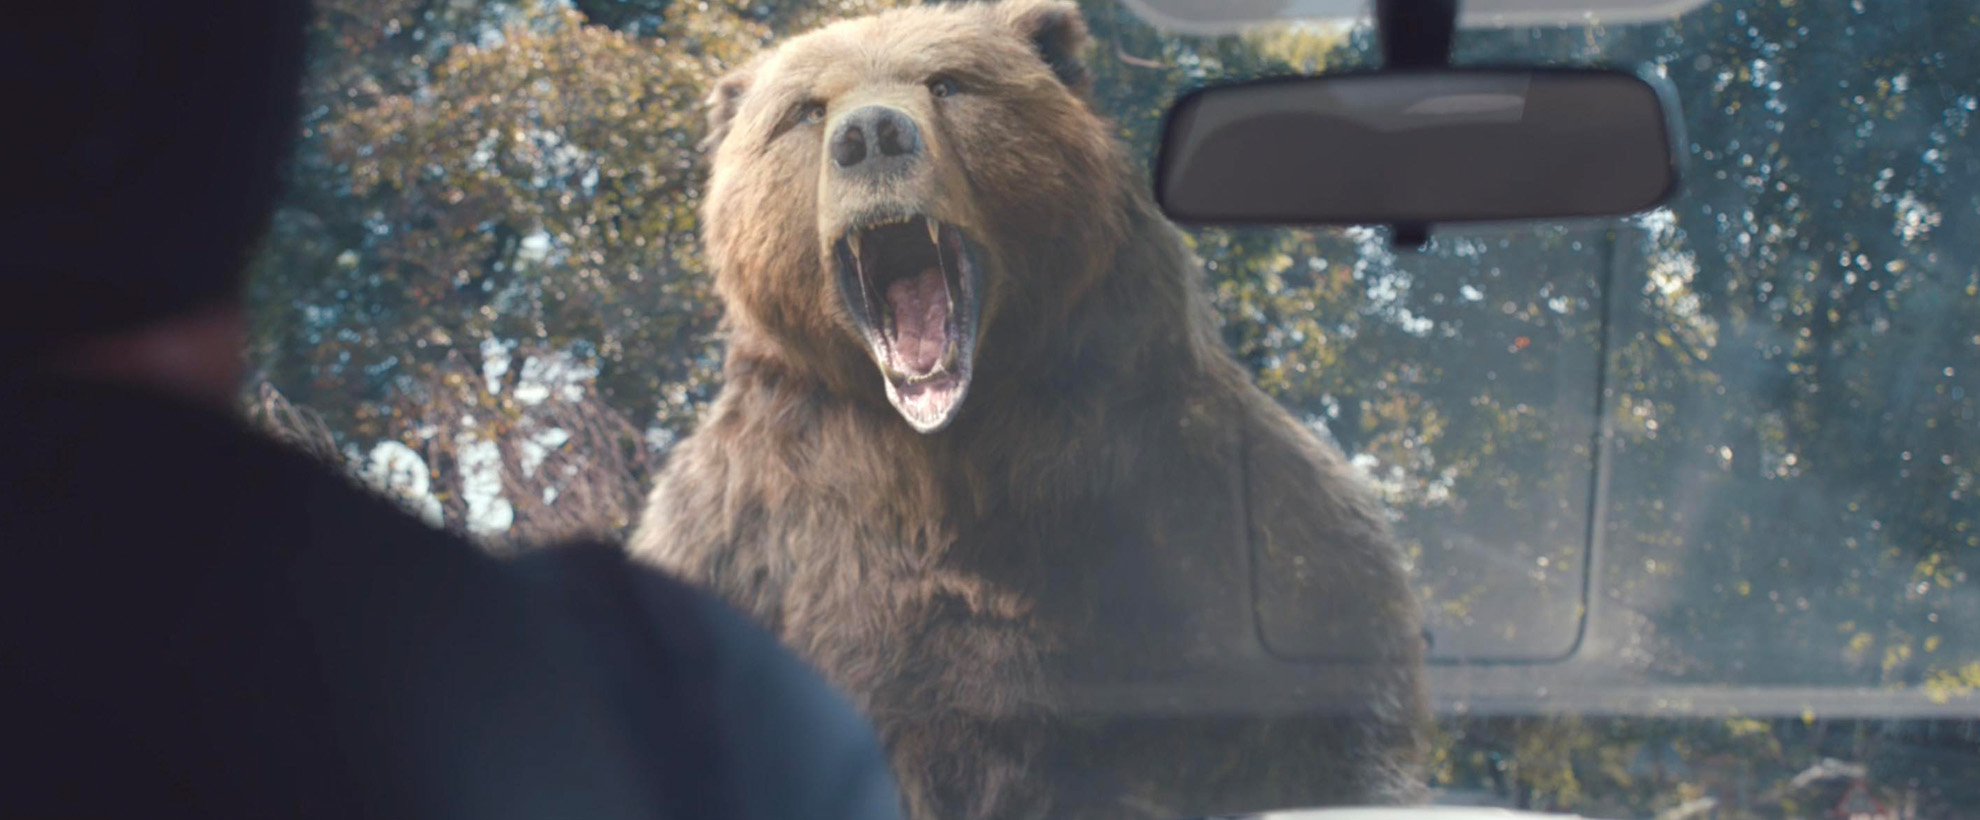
column 920, row 306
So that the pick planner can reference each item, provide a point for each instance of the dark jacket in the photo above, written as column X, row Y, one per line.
column 197, row 621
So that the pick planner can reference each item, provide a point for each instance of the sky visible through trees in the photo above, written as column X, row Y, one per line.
column 484, row 294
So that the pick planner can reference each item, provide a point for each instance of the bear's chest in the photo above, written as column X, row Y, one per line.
column 1152, row 577
column 1113, row 551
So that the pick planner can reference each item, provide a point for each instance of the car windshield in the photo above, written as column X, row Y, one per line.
column 1687, row 500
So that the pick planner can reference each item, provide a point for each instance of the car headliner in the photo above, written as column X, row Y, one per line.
column 1224, row 16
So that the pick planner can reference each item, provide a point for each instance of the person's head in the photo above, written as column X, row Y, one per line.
column 148, row 141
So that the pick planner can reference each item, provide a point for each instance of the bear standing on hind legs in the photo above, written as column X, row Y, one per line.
column 979, row 435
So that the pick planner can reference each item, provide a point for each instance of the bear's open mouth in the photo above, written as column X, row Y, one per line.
column 912, row 286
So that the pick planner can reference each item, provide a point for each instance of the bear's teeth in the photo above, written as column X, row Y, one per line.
column 934, row 232
column 852, row 241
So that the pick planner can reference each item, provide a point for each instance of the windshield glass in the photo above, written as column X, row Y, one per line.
column 1686, row 500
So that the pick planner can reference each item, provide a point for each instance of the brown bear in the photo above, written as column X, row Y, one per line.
column 980, row 452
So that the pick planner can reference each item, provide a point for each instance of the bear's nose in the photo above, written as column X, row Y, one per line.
column 875, row 139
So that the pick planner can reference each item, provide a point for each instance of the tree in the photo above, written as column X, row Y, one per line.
column 516, row 184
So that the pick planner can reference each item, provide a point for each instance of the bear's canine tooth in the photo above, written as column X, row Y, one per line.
column 852, row 241
column 934, row 233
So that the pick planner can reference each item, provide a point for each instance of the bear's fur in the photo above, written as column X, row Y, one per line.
column 1103, row 446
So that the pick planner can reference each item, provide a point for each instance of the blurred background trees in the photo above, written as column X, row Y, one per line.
column 484, row 294
column 492, row 228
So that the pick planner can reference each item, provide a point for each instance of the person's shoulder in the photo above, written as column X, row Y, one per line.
column 193, row 473
column 180, row 493
column 810, row 753
column 788, row 745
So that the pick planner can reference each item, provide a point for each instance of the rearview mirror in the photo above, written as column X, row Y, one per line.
column 1414, row 147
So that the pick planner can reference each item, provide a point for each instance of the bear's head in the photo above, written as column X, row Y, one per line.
column 890, row 195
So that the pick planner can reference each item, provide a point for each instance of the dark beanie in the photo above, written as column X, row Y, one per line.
column 146, row 146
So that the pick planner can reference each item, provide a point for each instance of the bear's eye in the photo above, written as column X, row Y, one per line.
column 942, row 87
column 811, row 113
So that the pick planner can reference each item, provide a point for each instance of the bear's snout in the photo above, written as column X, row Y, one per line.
column 876, row 141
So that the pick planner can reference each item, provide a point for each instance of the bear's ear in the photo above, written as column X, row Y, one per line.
column 1057, row 33
column 723, row 101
